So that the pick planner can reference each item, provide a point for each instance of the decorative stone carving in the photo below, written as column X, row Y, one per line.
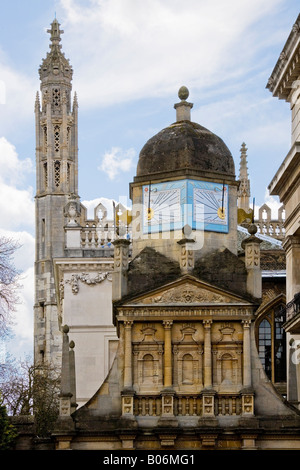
column 252, row 256
column 127, row 404
column 208, row 404
column 248, row 404
column 186, row 294
column 86, row 279
column 167, row 404
column 72, row 211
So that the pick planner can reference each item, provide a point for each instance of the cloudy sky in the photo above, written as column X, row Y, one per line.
column 129, row 58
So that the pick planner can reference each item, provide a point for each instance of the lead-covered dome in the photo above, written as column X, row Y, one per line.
column 185, row 148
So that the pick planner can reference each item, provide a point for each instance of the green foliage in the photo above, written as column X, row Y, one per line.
column 32, row 389
column 45, row 400
column 8, row 433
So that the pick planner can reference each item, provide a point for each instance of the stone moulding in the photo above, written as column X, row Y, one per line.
column 198, row 312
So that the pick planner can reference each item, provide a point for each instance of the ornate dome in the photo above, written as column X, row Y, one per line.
column 185, row 148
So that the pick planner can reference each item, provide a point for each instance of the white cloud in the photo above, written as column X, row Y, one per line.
column 16, row 204
column 137, row 49
column 116, row 161
column 12, row 168
column 22, row 327
column 17, row 94
column 23, row 324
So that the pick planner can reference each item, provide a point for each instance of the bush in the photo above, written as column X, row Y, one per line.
column 8, row 433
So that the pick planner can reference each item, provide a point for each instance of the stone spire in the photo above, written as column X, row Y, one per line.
column 244, row 188
column 55, row 65
column 55, row 33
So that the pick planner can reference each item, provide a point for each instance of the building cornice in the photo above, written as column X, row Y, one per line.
column 287, row 68
column 286, row 177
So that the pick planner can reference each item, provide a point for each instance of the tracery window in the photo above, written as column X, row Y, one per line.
column 45, row 139
column 271, row 342
column 56, row 98
column 56, row 138
column 57, row 173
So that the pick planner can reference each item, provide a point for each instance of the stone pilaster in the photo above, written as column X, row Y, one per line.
column 121, row 253
column 247, row 380
column 168, row 382
column 291, row 246
column 207, row 354
column 252, row 261
column 127, row 355
column 186, row 258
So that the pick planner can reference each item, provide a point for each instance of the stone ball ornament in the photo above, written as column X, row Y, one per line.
column 183, row 93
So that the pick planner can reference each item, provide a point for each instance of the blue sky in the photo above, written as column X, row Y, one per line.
column 129, row 58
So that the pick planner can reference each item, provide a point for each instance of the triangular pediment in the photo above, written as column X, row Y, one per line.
column 187, row 291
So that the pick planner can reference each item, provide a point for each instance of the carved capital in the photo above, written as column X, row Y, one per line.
column 207, row 324
column 246, row 324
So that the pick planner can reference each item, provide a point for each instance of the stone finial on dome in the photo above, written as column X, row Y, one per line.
column 183, row 93
column 183, row 109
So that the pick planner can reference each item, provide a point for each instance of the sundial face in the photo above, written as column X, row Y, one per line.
column 172, row 205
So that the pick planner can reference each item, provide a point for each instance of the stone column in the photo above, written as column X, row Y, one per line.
column 167, row 395
column 128, row 392
column 207, row 354
column 168, row 354
column 247, row 382
column 127, row 355
column 291, row 246
column 208, row 394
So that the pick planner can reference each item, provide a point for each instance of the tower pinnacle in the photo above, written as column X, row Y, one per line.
column 244, row 188
column 55, row 67
column 55, row 33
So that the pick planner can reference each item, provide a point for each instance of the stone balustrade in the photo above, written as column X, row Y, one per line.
column 192, row 405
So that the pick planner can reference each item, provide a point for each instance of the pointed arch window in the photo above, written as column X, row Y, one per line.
column 45, row 175
column 45, row 139
column 68, row 173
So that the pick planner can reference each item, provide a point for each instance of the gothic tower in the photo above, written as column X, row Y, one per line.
column 56, row 180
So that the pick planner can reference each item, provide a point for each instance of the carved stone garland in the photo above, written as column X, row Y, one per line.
column 86, row 279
